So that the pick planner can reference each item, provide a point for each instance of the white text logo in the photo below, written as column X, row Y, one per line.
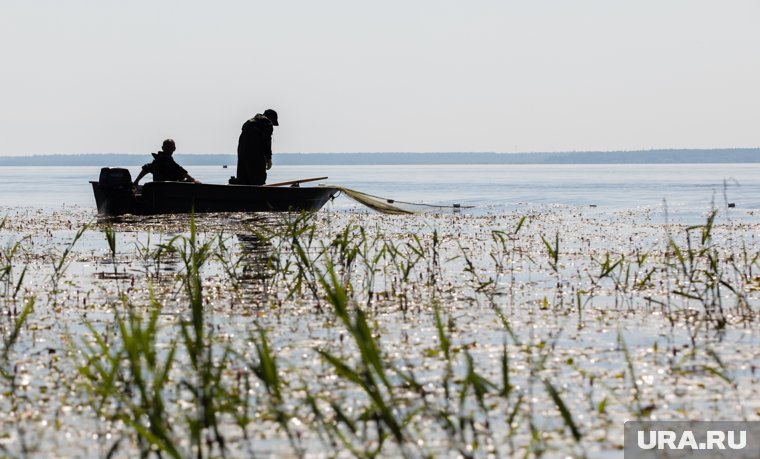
column 714, row 439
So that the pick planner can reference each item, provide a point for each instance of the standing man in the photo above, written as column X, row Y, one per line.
column 255, row 149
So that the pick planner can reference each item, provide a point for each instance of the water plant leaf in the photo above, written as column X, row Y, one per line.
column 566, row 416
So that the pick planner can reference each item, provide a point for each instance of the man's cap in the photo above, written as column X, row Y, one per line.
column 272, row 115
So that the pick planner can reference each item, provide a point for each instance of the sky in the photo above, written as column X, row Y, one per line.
column 111, row 76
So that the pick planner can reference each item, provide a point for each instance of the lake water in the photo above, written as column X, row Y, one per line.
column 614, row 279
column 688, row 189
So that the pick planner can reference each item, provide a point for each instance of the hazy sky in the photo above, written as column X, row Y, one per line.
column 358, row 76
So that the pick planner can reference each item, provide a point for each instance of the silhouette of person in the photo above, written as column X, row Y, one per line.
column 164, row 168
column 255, row 149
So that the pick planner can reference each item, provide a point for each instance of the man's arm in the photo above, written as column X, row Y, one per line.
column 268, row 146
column 142, row 174
column 189, row 178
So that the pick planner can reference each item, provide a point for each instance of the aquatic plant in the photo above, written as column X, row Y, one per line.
column 126, row 381
column 11, row 283
column 369, row 376
column 62, row 263
column 306, row 334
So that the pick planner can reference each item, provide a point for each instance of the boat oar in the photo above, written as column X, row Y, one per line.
column 293, row 182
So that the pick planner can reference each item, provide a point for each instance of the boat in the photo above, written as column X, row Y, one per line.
column 115, row 195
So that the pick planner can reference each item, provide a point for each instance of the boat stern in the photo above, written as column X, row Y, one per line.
column 113, row 192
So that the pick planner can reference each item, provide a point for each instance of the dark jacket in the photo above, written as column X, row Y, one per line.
column 254, row 151
column 165, row 169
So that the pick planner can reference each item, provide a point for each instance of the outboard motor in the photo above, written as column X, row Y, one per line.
column 113, row 191
column 116, row 179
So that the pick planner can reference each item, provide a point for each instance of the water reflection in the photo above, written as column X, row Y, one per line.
column 249, row 262
column 257, row 259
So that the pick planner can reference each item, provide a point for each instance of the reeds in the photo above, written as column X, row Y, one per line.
column 380, row 344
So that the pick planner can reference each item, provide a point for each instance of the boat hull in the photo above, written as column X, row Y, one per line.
column 181, row 197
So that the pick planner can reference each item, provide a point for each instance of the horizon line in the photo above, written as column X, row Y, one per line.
column 703, row 149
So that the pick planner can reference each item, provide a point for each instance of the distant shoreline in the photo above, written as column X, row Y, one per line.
column 672, row 156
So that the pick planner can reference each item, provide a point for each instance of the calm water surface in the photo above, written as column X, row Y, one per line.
column 688, row 189
column 625, row 200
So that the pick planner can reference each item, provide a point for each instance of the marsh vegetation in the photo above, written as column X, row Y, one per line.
column 362, row 335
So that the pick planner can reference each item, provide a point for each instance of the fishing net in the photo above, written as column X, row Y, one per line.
column 392, row 206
